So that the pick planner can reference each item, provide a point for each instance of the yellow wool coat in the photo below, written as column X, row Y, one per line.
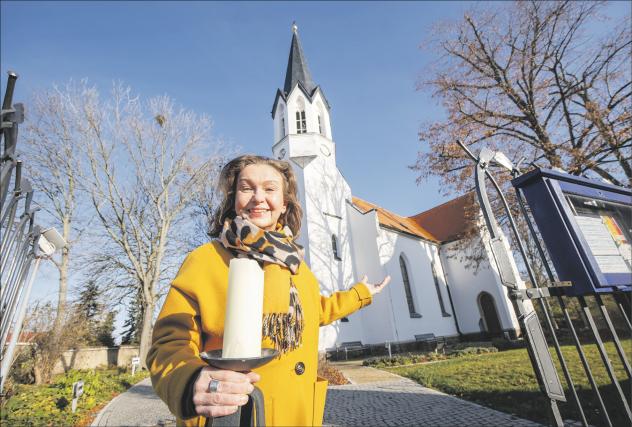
column 192, row 321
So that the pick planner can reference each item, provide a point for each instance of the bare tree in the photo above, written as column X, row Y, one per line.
column 205, row 202
column 54, row 162
column 147, row 161
column 46, row 345
column 527, row 78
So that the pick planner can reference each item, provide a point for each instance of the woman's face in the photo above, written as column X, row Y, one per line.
column 259, row 195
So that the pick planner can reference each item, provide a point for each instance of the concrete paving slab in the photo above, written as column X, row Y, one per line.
column 138, row 406
column 375, row 398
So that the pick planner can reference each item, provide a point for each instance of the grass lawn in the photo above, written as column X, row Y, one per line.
column 505, row 381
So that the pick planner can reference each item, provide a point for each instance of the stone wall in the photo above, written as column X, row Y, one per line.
column 93, row 357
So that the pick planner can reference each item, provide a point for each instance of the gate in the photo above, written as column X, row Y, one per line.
column 21, row 240
column 582, row 230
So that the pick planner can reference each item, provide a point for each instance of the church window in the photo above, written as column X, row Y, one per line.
column 334, row 247
column 320, row 126
column 407, row 289
column 444, row 313
column 301, row 123
column 282, row 127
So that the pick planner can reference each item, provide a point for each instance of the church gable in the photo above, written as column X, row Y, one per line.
column 395, row 222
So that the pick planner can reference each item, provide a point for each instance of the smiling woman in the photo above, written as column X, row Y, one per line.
column 259, row 218
column 260, row 196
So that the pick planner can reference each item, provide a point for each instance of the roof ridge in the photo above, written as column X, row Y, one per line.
column 443, row 204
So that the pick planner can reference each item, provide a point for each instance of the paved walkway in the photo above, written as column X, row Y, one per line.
column 375, row 398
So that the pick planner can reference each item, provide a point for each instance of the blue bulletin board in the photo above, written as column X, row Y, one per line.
column 586, row 226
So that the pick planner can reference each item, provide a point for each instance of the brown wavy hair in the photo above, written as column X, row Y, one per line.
column 227, row 185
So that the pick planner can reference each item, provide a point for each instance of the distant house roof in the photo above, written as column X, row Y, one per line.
column 443, row 223
column 24, row 337
column 447, row 221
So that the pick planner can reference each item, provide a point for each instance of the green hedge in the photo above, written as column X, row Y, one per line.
column 410, row 358
column 51, row 404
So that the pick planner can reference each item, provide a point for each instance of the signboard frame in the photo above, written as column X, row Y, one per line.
column 545, row 191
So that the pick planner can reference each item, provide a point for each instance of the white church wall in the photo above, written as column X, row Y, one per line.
column 418, row 255
column 280, row 121
column 466, row 284
column 325, row 193
column 303, row 237
column 376, row 320
column 320, row 110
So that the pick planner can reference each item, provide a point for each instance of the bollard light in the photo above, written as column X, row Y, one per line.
column 135, row 364
column 77, row 391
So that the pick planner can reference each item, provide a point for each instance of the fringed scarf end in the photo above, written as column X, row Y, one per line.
column 285, row 329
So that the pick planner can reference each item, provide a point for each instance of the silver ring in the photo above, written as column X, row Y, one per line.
column 213, row 386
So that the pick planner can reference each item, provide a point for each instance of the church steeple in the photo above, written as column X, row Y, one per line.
column 300, row 110
column 297, row 70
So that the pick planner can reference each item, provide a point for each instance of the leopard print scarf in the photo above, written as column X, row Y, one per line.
column 246, row 240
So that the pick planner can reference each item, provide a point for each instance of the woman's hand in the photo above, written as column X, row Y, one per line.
column 228, row 390
column 375, row 288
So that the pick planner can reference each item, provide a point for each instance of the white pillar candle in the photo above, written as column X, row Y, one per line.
column 244, row 309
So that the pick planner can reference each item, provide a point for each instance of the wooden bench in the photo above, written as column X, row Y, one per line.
column 439, row 342
column 350, row 346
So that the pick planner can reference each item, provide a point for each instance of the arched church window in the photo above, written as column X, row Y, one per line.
column 320, row 126
column 334, row 247
column 282, row 127
column 444, row 313
column 301, row 123
column 407, row 289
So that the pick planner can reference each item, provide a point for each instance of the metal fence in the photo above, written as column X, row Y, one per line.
column 572, row 274
column 23, row 243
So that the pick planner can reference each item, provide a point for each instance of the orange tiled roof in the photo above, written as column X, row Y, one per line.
column 442, row 223
column 447, row 221
column 390, row 220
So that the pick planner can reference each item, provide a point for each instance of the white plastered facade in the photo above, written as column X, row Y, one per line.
column 366, row 247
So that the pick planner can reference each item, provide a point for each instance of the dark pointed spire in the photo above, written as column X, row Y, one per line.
column 297, row 70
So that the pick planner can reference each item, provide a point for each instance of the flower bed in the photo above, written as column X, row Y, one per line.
column 411, row 358
column 50, row 404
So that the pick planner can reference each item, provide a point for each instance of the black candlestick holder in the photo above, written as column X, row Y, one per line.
column 252, row 414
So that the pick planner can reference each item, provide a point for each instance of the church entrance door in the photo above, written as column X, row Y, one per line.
column 490, row 315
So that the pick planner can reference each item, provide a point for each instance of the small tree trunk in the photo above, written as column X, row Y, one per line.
column 37, row 373
column 146, row 331
column 63, row 278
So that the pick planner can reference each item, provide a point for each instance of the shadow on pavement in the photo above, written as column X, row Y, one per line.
column 146, row 391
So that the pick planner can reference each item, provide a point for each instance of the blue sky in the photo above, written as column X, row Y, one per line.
column 228, row 59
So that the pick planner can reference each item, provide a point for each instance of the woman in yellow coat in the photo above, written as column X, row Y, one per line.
column 257, row 219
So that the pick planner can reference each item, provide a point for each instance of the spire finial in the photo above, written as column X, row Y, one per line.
column 294, row 27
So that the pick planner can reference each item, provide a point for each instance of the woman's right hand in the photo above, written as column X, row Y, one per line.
column 233, row 389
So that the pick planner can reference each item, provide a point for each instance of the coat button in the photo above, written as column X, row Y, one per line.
column 299, row 368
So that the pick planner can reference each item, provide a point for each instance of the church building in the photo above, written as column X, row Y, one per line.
column 433, row 292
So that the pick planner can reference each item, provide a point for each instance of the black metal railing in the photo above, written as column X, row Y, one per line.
column 554, row 291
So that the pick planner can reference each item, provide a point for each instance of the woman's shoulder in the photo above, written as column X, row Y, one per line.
column 210, row 249
column 305, row 272
column 202, row 265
